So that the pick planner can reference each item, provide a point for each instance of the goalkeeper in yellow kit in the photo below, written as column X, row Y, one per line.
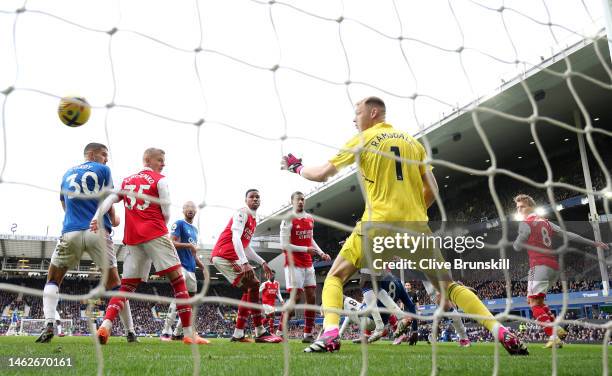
column 396, row 191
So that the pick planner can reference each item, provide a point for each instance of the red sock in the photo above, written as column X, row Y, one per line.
column 255, row 312
column 309, row 318
column 280, row 322
column 243, row 313
column 115, row 305
column 271, row 323
column 393, row 322
column 289, row 316
column 180, row 292
column 542, row 314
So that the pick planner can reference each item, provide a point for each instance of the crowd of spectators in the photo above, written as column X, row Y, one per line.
column 217, row 320
column 474, row 203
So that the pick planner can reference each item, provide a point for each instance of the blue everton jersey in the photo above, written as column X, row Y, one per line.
column 185, row 233
column 88, row 178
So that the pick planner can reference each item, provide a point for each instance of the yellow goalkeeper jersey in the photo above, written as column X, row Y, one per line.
column 394, row 189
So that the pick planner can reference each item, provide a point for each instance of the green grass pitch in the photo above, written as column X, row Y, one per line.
column 153, row 357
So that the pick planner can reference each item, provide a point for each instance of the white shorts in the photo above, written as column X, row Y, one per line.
column 300, row 278
column 230, row 270
column 268, row 309
column 71, row 245
column 539, row 280
column 160, row 252
column 190, row 281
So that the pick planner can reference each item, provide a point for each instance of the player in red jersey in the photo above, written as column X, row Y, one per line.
column 269, row 291
column 535, row 234
column 147, row 241
column 230, row 256
column 298, row 241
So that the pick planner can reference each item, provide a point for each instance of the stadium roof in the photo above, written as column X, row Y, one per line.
column 455, row 138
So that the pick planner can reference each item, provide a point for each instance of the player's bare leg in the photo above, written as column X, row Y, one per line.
column 340, row 272
column 50, row 299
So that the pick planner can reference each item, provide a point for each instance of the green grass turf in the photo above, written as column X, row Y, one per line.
column 153, row 357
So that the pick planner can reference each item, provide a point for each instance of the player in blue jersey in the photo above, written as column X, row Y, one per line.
column 185, row 240
column 390, row 290
column 85, row 179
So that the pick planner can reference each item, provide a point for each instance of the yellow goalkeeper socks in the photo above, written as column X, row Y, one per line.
column 465, row 299
column 332, row 298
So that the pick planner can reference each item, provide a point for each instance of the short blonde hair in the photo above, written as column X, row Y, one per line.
column 526, row 199
column 152, row 151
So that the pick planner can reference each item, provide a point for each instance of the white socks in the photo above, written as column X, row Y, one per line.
column 458, row 325
column 179, row 328
column 170, row 319
column 390, row 304
column 238, row 333
column 107, row 324
column 126, row 317
column 259, row 330
column 50, row 299
column 370, row 299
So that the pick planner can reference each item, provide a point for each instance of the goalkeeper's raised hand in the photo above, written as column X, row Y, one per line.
column 292, row 163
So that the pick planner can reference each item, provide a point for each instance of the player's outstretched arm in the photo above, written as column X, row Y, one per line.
column 577, row 238
column 314, row 173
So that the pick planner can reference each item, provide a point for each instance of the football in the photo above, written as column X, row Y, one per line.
column 74, row 111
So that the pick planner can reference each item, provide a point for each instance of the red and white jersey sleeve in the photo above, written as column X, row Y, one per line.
column 224, row 247
column 299, row 231
column 144, row 220
column 269, row 292
column 540, row 236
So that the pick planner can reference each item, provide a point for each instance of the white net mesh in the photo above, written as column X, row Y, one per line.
column 286, row 64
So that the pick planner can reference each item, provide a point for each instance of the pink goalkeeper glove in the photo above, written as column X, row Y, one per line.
column 294, row 164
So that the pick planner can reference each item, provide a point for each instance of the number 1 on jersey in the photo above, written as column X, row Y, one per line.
column 398, row 164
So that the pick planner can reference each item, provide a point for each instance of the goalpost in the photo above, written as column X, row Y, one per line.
column 33, row 327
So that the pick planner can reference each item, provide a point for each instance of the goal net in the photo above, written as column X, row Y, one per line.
column 33, row 327
column 506, row 97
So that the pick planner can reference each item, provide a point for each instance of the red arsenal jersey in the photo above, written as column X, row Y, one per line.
column 301, row 235
column 269, row 292
column 144, row 219
column 224, row 247
column 541, row 237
